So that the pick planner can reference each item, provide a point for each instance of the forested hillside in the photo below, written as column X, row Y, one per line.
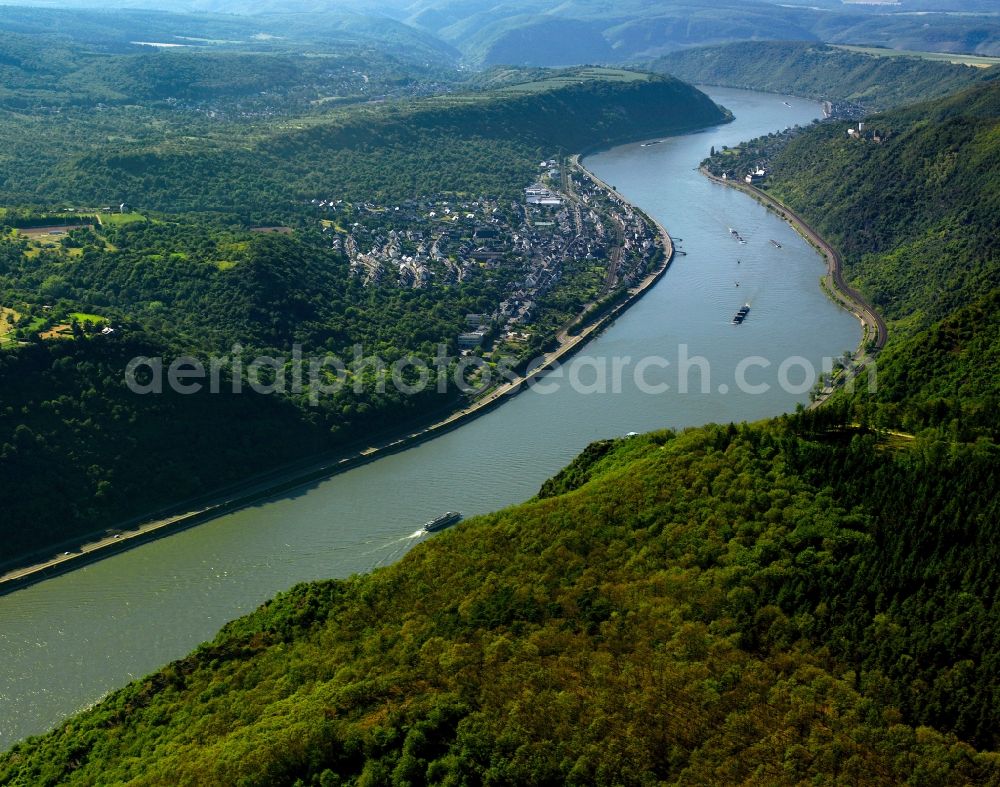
column 248, row 83
column 802, row 600
column 517, row 32
column 914, row 213
column 80, row 452
column 942, row 378
column 816, row 70
column 772, row 603
column 565, row 32
column 486, row 142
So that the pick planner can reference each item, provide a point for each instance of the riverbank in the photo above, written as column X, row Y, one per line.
column 875, row 332
column 287, row 479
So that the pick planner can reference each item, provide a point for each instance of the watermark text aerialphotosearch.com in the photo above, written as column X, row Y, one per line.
column 324, row 375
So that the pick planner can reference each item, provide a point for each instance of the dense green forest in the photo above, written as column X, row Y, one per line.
column 806, row 599
column 942, row 378
column 820, row 71
column 483, row 142
column 193, row 278
column 252, row 135
column 773, row 603
column 82, row 452
column 64, row 100
column 913, row 214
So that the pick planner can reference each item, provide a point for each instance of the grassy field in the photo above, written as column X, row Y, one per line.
column 577, row 76
column 230, row 254
column 82, row 317
column 6, row 339
column 6, row 328
column 334, row 224
column 119, row 218
column 976, row 61
column 42, row 243
column 64, row 330
column 38, row 246
column 48, row 239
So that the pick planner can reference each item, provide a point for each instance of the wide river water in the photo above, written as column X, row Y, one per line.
column 65, row 642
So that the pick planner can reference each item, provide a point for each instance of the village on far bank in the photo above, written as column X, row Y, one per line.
column 566, row 243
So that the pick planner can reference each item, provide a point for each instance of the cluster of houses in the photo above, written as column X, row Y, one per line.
column 626, row 239
column 418, row 242
column 527, row 244
column 845, row 110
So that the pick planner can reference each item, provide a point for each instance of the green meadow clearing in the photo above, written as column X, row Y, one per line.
column 978, row 61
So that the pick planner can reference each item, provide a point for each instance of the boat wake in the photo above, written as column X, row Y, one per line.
column 392, row 550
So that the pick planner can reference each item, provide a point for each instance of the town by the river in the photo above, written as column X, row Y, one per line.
column 67, row 641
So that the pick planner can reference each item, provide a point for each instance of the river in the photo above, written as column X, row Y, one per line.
column 65, row 642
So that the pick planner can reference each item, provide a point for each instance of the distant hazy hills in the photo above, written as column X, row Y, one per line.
column 822, row 72
column 536, row 33
column 551, row 32
column 119, row 30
